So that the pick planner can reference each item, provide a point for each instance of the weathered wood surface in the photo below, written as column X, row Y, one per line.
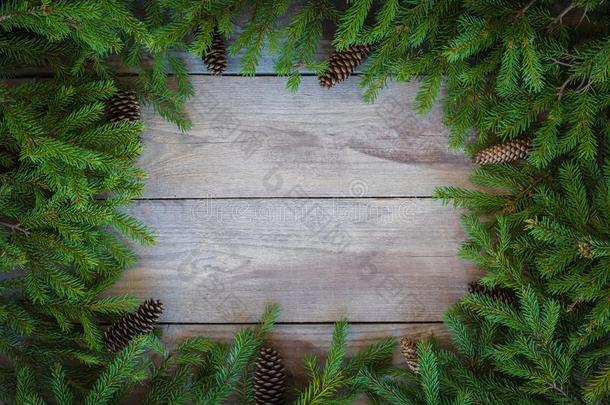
column 371, row 260
column 251, row 138
column 308, row 200
column 317, row 201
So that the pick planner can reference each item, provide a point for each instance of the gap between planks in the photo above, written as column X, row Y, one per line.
column 421, row 197
column 297, row 323
column 370, row 260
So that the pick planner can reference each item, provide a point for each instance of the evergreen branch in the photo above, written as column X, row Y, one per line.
column 598, row 387
column 324, row 383
column 44, row 9
column 557, row 61
column 227, row 376
column 561, row 89
column 502, row 71
column 559, row 18
column 394, row 395
column 524, row 9
column 560, row 390
column 119, row 372
column 15, row 227
column 61, row 390
column 428, row 369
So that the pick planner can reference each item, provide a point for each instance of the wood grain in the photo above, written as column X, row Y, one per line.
column 371, row 260
column 298, row 199
column 251, row 138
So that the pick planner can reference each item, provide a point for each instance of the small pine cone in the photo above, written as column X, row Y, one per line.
column 408, row 348
column 342, row 64
column 505, row 152
column 216, row 56
column 269, row 378
column 499, row 294
column 584, row 248
column 123, row 106
column 118, row 336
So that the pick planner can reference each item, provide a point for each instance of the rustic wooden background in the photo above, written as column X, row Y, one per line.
column 317, row 201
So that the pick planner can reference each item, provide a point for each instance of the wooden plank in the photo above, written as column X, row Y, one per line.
column 251, row 138
column 371, row 260
column 295, row 341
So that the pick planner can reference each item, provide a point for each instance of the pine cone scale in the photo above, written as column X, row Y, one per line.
column 216, row 57
column 504, row 153
column 124, row 106
column 503, row 295
column 408, row 349
column 144, row 320
column 269, row 378
column 342, row 64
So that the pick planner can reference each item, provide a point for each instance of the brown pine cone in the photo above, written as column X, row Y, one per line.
column 505, row 152
column 269, row 378
column 499, row 294
column 123, row 106
column 118, row 336
column 342, row 64
column 408, row 348
column 216, row 57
